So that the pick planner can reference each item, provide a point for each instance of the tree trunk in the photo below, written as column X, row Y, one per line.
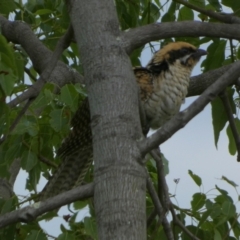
column 119, row 178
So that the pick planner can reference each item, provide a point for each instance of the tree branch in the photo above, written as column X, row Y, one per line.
column 20, row 33
column 30, row 213
column 198, row 84
column 63, row 43
column 180, row 224
column 226, row 18
column 159, row 208
column 162, row 184
column 182, row 118
column 137, row 37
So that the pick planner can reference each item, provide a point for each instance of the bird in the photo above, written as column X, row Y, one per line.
column 163, row 85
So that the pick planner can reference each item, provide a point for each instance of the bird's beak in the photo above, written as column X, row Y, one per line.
column 199, row 52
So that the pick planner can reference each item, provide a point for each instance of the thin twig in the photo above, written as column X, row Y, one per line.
column 231, row 49
column 162, row 184
column 228, row 109
column 167, row 229
column 31, row 212
column 46, row 161
column 30, row 74
column 226, row 18
column 151, row 217
column 159, row 208
column 154, row 196
column 180, row 224
column 41, row 158
column 35, row 89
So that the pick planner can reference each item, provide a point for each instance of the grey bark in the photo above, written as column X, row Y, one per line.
column 21, row 33
column 31, row 212
column 119, row 178
column 137, row 37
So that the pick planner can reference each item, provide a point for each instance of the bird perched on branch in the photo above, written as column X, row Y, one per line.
column 163, row 87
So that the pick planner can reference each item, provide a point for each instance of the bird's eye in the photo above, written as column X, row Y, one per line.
column 184, row 51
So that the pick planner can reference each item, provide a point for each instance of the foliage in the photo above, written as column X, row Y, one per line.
column 41, row 130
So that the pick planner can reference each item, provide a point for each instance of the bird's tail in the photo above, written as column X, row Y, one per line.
column 77, row 154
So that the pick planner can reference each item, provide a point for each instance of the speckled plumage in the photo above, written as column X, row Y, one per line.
column 163, row 87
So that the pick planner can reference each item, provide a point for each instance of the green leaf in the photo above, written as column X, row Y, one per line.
column 223, row 192
column 56, row 120
column 235, row 225
column 236, row 8
column 198, row 201
column 48, row 216
column 19, row 65
column 216, row 55
column 219, row 118
column 7, row 6
column 66, row 236
column 232, row 145
column 208, row 204
column 217, row 235
column 195, row 178
column 79, row 88
column 135, row 55
column 7, row 53
column 204, row 217
column 216, row 211
column 151, row 14
column 43, row 12
column 238, row 53
column 165, row 164
column 185, row 14
column 199, row 233
column 26, row 125
column 216, row 4
column 36, row 235
column 69, row 95
column 228, row 209
column 8, row 205
column 228, row 3
column 7, row 82
column 127, row 14
column 90, row 227
column 80, row 204
column 34, row 176
column 168, row 17
column 29, row 160
column 13, row 152
column 40, row 102
column 229, row 181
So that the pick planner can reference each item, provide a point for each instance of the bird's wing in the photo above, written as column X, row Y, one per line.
column 144, row 80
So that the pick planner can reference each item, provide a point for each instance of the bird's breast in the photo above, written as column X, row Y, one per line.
column 170, row 90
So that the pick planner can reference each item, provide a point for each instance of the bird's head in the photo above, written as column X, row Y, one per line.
column 181, row 53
